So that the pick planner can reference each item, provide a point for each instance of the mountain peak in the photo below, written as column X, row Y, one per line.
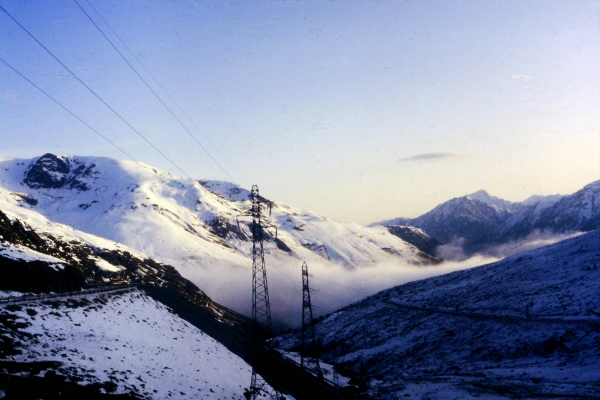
column 495, row 202
column 480, row 195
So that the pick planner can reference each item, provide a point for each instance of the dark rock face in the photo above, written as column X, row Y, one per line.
column 16, row 232
column 28, row 199
column 318, row 249
column 221, row 227
column 52, row 172
column 419, row 239
column 282, row 246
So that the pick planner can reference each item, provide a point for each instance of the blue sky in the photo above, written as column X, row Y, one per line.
column 358, row 110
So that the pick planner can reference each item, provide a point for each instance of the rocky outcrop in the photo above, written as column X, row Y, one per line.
column 52, row 172
column 416, row 237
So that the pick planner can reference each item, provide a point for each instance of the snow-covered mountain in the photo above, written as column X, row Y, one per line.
column 479, row 221
column 579, row 211
column 523, row 327
column 472, row 217
column 200, row 228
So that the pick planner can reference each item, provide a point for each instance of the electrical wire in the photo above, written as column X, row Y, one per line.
column 166, row 92
column 96, row 95
column 127, row 123
column 69, row 111
column 336, row 298
column 287, row 273
column 153, row 92
column 347, row 287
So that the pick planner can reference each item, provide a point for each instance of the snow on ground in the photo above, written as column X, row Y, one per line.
column 560, row 281
column 327, row 369
column 18, row 252
column 524, row 327
column 105, row 265
column 14, row 209
column 10, row 293
column 133, row 341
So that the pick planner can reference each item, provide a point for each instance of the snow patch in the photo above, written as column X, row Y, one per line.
column 18, row 252
column 105, row 265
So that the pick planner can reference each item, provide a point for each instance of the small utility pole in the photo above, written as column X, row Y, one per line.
column 308, row 359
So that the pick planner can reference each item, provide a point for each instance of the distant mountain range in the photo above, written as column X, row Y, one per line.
column 478, row 222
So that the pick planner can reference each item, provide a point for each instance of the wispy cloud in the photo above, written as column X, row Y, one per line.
column 433, row 156
column 526, row 78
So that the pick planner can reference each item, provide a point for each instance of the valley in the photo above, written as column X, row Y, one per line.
column 526, row 326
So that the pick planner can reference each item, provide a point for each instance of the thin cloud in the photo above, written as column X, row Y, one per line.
column 433, row 156
column 526, row 78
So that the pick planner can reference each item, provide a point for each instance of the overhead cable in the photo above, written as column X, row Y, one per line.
column 153, row 92
column 166, row 92
column 96, row 95
column 69, row 111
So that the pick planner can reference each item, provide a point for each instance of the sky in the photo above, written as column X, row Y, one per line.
column 357, row 110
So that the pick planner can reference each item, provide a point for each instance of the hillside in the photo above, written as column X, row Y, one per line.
column 200, row 229
column 124, row 344
column 57, row 258
column 524, row 327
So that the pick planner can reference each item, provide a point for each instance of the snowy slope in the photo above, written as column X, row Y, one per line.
column 200, row 229
column 19, row 252
column 12, row 205
column 123, row 343
column 524, row 327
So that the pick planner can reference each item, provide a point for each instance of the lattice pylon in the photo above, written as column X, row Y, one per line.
column 308, row 359
column 261, row 308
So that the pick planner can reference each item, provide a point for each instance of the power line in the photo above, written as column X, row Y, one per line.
column 67, row 110
column 153, row 92
column 94, row 93
column 165, row 91
column 347, row 287
column 286, row 273
column 335, row 297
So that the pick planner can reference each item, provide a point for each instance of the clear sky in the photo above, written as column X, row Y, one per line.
column 358, row 110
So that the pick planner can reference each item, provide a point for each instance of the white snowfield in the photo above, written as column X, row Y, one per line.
column 132, row 341
column 189, row 225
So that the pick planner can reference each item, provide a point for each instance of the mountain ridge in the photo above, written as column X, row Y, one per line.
column 478, row 222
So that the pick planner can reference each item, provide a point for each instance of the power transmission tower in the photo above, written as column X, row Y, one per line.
column 261, row 308
column 308, row 360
